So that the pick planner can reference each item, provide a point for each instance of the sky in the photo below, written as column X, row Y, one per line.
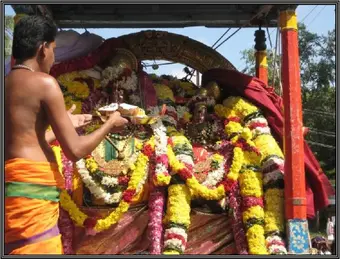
column 318, row 19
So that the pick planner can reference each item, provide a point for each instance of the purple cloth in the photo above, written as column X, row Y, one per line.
column 52, row 232
column 86, row 43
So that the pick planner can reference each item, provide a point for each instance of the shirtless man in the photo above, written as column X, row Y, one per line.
column 33, row 100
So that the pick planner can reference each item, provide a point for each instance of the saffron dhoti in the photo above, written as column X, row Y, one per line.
column 32, row 207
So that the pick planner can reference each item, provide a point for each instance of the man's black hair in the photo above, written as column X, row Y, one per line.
column 29, row 33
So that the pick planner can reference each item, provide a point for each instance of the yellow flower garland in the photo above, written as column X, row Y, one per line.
column 239, row 106
column 251, row 183
column 164, row 92
column 251, row 186
column 178, row 206
column 274, row 210
column 196, row 188
column 57, row 153
column 249, row 180
column 236, row 164
column 91, row 165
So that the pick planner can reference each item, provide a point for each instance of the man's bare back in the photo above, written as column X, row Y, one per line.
column 25, row 119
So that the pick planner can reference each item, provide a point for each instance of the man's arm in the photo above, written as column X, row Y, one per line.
column 78, row 121
column 73, row 145
column 49, row 136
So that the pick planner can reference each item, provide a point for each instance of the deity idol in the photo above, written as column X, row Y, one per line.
column 114, row 155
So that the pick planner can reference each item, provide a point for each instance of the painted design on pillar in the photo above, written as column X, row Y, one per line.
column 298, row 235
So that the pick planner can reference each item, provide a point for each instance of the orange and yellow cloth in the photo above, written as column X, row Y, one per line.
column 32, row 207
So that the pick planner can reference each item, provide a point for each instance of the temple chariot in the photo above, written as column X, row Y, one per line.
column 209, row 174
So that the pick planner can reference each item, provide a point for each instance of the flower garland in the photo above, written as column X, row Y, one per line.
column 163, row 92
column 249, row 180
column 138, row 178
column 155, row 226
column 76, row 88
column 272, row 167
column 97, row 189
column 177, row 219
column 122, row 78
column 161, row 175
column 216, row 175
column 238, row 111
column 64, row 222
column 185, row 170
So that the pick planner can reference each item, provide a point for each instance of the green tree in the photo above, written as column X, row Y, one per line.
column 9, row 27
column 317, row 64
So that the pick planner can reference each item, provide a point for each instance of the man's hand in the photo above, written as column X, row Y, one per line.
column 78, row 120
column 117, row 120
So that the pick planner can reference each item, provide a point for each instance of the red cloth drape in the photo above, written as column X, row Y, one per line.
column 97, row 57
column 318, row 187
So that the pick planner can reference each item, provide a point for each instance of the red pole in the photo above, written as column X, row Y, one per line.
column 295, row 192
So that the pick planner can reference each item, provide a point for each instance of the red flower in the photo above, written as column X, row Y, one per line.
column 189, row 167
column 176, row 236
column 170, row 142
column 257, row 125
column 185, row 174
column 233, row 118
column 248, row 202
column 123, row 180
column 229, row 185
column 90, row 222
column 148, row 150
column 128, row 195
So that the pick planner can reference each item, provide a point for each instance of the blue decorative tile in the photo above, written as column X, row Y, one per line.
column 298, row 236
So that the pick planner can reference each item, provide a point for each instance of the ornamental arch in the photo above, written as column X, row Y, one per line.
column 153, row 45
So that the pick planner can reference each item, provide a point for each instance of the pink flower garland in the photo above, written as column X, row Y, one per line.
column 155, row 226
column 66, row 225
column 235, row 201
column 238, row 230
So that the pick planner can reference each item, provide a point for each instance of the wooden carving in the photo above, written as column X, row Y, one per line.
column 162, row 45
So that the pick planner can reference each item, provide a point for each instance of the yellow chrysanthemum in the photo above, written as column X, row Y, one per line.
column 78, row 89
column 251, row 183
column 240, row 106
column 274, row 210
column 57, row 154
column 178, row 207
column 256, row 240
column 253, row 212
column 268, row 146
column 163, row 92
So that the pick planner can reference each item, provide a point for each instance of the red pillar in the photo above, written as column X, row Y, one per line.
column 295, row 192
column 261, row 56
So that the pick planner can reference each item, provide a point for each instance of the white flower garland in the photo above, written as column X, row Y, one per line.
column 175, row 242
column 161, row 142
column 215, row 176
column 96, row 190
column 112, row 73
column 129, row 83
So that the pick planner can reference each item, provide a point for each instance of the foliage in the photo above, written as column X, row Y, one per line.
column 9, row 26
column 317, row 65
